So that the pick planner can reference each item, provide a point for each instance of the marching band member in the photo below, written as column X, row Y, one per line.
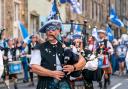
column 10, row 55
column 121, row 53
column 48, row 58
column 106, row 49
column 31, row 46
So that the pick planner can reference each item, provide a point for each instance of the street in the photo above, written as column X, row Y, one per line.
column 116, row 83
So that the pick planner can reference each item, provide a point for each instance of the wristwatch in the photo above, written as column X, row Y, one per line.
column 74, row 67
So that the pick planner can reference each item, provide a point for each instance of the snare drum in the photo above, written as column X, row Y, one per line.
column 15, row 67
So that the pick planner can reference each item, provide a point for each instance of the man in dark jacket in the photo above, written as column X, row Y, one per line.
column 48, row 60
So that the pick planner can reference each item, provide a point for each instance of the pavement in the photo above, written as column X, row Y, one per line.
column 117, row 82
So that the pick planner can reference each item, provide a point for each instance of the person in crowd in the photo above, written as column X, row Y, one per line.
column 48, row 60
column 114, row 57
column 92, row 44
column 121, row 52
column 77, row 42
column 31, row 45
column 105, row 48
column 10, row 56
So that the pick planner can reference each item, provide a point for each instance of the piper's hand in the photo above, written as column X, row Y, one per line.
column 68, row 69
column 58, row 75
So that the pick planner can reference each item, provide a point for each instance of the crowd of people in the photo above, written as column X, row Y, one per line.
column 59, row 60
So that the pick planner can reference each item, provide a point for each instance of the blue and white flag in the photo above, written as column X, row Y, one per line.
column 24, row 32
column 95, row 33
column 75, row 6
column 53, row 12
column 27, row 40
column 114, row 18
column 109, row 34
column 77, row 29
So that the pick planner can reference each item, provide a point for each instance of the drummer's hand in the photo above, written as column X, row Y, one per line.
column 58, row 75
column 68, row 68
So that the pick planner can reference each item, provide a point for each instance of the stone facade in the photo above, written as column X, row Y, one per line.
column 97, row 12
column 11, row 12
column 29, row 12
column 40, row 10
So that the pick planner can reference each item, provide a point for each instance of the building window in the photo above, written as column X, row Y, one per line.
column 95, row 10
column 16, row 11
column 34, row 23
column 16, row 31
column 92, row 9
column 83, row 6
column 1, row 13
column 118, row 7
column 98, row 8
column 101, row 13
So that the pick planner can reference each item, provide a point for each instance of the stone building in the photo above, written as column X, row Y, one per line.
column 10, row 12
column 96, row 12
column 38, row 12
column 30, row 12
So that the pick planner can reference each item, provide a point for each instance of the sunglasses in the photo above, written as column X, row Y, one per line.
column 51, row 28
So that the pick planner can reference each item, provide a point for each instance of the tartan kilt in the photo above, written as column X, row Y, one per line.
column 108, row 70
column 50, row 83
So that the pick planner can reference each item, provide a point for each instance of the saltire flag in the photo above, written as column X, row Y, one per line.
column 114, row 18
column 24, row 32
column 54, row 11
column 75, row 6
column 95, row 33
column 109, row 33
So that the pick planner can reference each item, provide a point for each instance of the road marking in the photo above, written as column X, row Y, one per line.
column 117, row 85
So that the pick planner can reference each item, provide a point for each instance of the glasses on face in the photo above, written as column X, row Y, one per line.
column 51, row 28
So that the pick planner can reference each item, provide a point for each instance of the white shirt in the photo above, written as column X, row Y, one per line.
column 36, row 59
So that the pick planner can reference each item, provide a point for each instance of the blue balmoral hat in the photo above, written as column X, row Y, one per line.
column 51, row 25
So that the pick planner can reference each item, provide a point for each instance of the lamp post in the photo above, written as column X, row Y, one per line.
column 84, row 33
column 71, row 30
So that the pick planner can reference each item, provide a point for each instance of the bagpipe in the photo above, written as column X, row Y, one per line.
column 96, row 61
column 70, row 58
column 90, row 70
